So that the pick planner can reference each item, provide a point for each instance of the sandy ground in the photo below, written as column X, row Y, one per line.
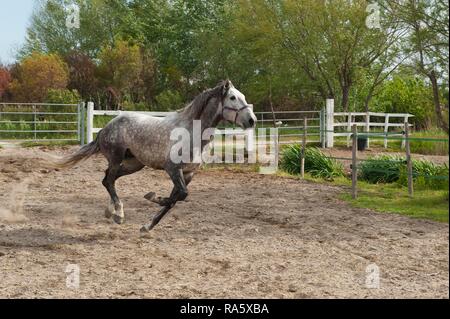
column 238, row 235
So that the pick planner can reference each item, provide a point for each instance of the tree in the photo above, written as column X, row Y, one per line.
column 36, row 74
column 101, row 21
column 328, row 40
column 174, row 31
column 427, row 41
column 120, row 68
column 5, row 80
column 407, row 94
column 82, row 74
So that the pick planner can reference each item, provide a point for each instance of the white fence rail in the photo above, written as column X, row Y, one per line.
column 323, row 124
column 348, row 119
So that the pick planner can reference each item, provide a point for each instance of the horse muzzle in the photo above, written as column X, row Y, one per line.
column 249, row 121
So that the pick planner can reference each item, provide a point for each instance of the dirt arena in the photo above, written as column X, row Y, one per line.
column 238, row 235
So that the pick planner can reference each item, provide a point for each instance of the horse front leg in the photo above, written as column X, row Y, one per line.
column 179, row 193
column 165, row 201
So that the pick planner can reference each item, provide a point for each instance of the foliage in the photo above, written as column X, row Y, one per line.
column 37, row 74
column 316, row 163
column 389, row 169
column 407, row 94
column 82, row 74
column 430, row 147
column 127, row 106
column 390, row 198
column 169, row 100
column 100, row 22
column 426, row 27
column 381, row 169
column 288, row 54
column 62, row 96
column 5, row 80
column 120, row 67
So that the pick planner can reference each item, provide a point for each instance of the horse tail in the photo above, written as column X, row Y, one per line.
column 83, row 153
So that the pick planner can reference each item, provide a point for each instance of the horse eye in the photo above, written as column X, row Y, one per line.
column 232, row 98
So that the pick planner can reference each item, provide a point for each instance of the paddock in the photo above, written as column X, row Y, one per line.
column 240, row 234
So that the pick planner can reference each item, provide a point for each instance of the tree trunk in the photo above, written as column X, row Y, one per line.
column 271, row 104
column 345, row 98
column 367, row 100
column 441, row 122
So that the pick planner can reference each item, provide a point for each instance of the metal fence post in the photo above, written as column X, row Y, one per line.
column 79, row 122
column 90, row 122
column 354, row 161
column 82, row 120
column 302, row 162
column 409, row 161
column 34, row 123
column 386, row 129
column 368, row 127
column 330, row 123
column 322, row 127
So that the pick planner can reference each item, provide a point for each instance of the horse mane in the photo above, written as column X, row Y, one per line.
column 195, row 108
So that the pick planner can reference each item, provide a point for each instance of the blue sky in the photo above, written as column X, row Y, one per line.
column 14, row 19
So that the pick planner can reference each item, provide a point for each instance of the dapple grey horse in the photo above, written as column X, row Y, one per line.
column 132, row 140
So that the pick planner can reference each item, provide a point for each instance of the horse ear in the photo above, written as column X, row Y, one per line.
column 226, row 86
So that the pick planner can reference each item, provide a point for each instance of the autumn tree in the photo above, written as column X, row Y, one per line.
column 120, row 68
column 5, row 80
column 36, row 74
column 82, row 74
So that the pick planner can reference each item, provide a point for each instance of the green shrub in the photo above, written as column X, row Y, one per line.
column 316, row 163
column 390, row 169
column 63, row 96
column 381, row 169
column 429, row 147
column 169, row 100
column 427, row 175
column 141, row 106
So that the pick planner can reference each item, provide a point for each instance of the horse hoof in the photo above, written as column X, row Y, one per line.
column 146, row 228
column 118, row 219
column 150, row 196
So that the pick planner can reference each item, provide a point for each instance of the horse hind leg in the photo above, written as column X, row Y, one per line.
column 128, row 166
column 115, row 208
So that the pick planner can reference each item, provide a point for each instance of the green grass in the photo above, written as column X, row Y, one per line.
column 388, row 198
column 417, row 147
column 430, row 147
column 393, row 198
column 383, row 198
column 392, row 169
column 316, row 163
